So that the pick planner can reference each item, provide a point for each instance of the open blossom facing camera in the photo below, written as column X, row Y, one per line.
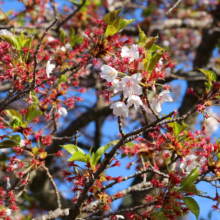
column 131, row 53
column 119, row 109
column 189, row 162
column 161, row 98
column 49, row 68
column 62, row 111
column 129, row 85
column 109, row 73
column 134, row 100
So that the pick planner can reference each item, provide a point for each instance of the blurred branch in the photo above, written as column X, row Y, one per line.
column 54, row 186
column 70, row 15
column 174, row 6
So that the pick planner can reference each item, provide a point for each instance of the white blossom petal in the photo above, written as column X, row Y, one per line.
column 8, row 212
column 191, row 166
column 62, row 111
column 183, row 164
column 131, row 53
column 119, row 109
column 5, row 32
column 108, row 73
column 124, row 51
column 22, row 143
column 166, row 98
column 137, row 77
column 156, row 106
column 134, row 100
column 49, row 68
column 162, row 97
column 120, row 216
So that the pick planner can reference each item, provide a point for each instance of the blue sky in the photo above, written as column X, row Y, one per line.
column 205, row 205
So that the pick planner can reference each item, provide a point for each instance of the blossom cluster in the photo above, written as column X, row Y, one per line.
column 130, row 86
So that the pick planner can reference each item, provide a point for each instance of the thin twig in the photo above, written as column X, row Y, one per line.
column 120, row 126
column 54, row 122
column 66, row 138
column 145, row 114
column 174, row 6
column 54, row 7
column 149, row 105
column 54, row 186
column 143, row 164
column 70, row 16
column 123, row 211
column 75, row 142
column 37, row 50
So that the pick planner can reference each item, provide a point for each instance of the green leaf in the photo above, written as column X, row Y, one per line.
column 216, row 141
column 12, row 40
column 130, row 144
column 62, row 37
column 110, row 30
column 34, row 97
column 154, row 48
column 158, row 215
column 142, row 37
column 72, row 34
column 112, row 16
column 192, row 205
column 15, row 124
column 177, row 129
column 150, row 42
column 72, row 148
column 184, row 126
column 191, row 178
column 79, row 156
column 189, row 188
column 13, row 114
column 22, row 40
column 28, row 44
column 62, row 78
column 15, row 138
column 76, row 40
column 8, row 144
column 35, row 150
column 123, row 23
column 32, row 112
column 101, row 151
column 154, row 60
column 210, row 77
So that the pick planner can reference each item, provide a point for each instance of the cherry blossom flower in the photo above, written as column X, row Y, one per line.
column 129, row 85
column 109, row 73
column 134, row 100
column 63, row 48
column 50, row 68
column 119, row 109
column 62, row 111
column 161, row 98
column 158, row 69
column 5, row 32
column 8, row 184
column 189, row 162
column 22, row 143
column 8, row 212
column 203, row 160
column 131, row 53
